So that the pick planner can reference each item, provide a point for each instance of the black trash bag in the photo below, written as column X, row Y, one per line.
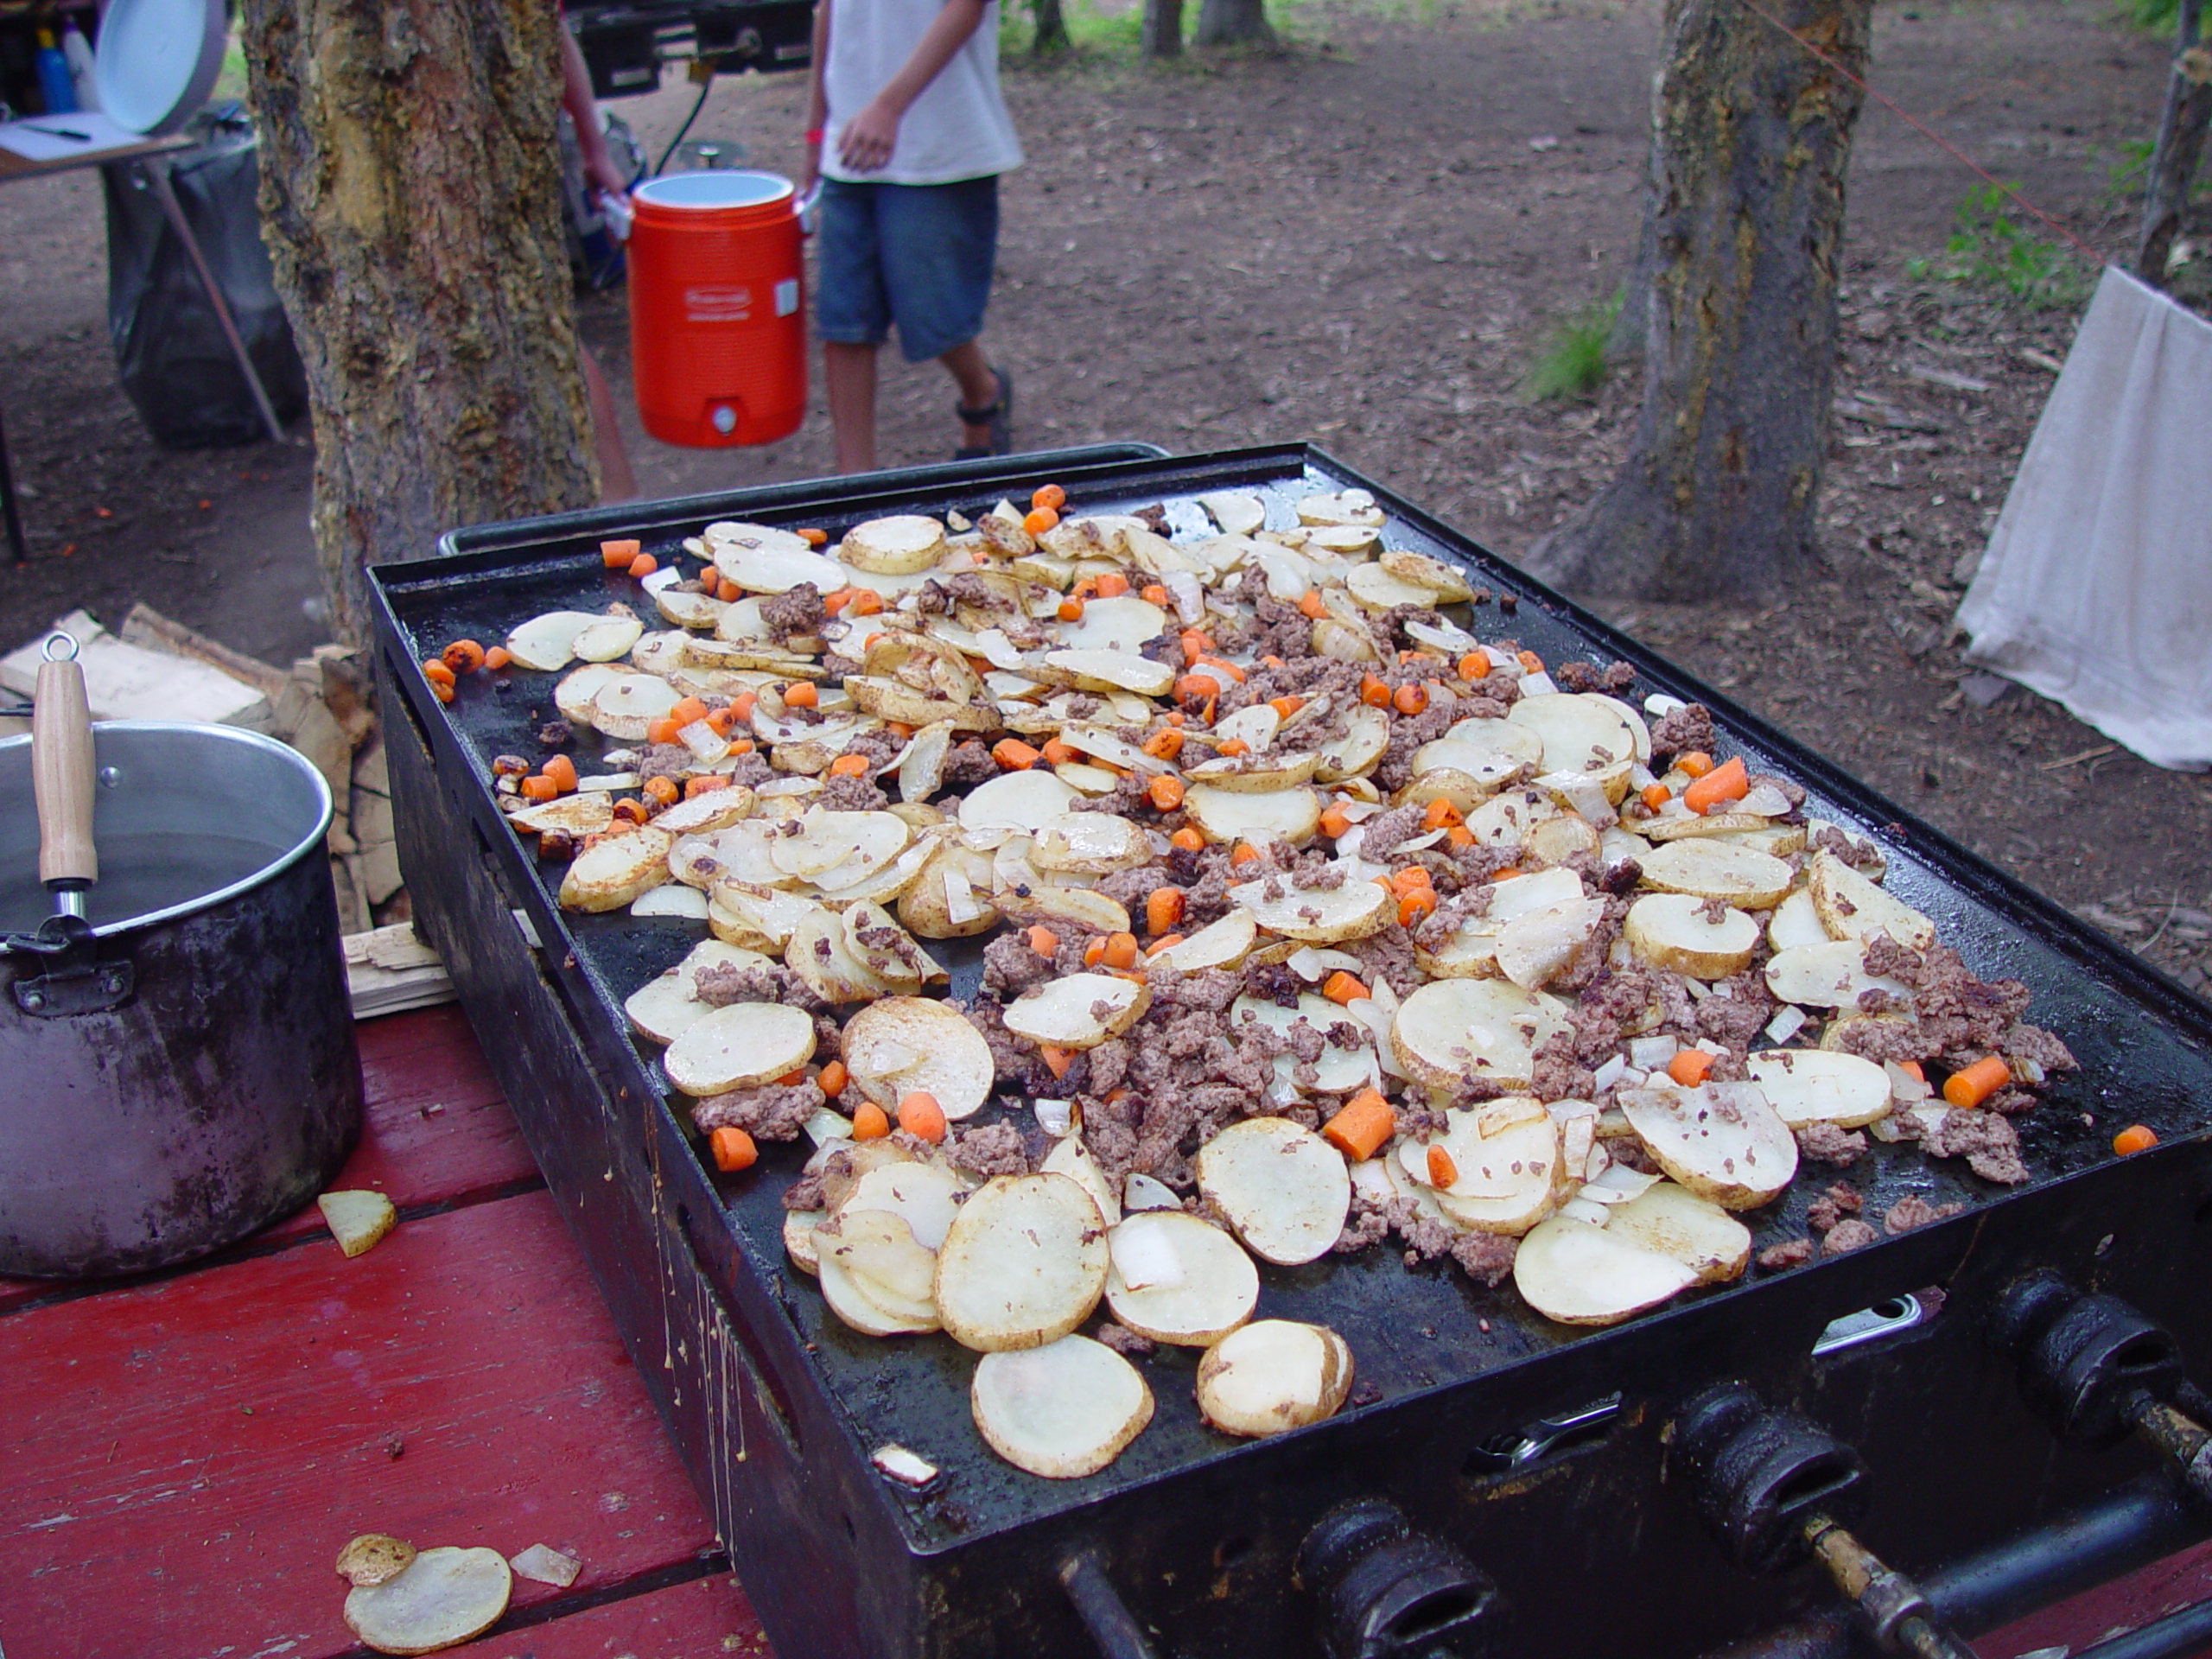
column 175, row 366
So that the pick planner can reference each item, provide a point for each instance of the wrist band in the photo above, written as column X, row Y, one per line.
column 814, row 135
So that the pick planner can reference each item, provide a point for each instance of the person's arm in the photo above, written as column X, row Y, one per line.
column 601, row 177
column 817, row 98
column 868, row 139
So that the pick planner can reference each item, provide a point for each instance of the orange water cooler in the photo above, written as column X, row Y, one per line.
column 717, row 310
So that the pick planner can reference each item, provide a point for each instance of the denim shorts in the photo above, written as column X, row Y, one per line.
column 918, row 256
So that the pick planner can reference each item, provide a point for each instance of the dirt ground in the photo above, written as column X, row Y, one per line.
column 1365, row 241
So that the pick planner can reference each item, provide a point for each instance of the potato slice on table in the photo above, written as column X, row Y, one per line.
column 1852, row 907
column 1508, row 1170
column 1456, row 1029
column 619, row 869
column 607, row 639
column 1317, row 915
column 1284, row 1190
column 740, row 1046
column 1830, row 976
column 1816, row 1085
column 896, row 546
column 1272, row 1375
column 1062, row 1410
column 1228, row 814
column 1672, row 1221
column 1708, row 868
column 1177, row 1280
column 1668, row 930
column 1721, row 1140
column 1578, row 1274
column 1079, row 1011
column 1024, row 1263
column 901, row 1044
column 445, row 1597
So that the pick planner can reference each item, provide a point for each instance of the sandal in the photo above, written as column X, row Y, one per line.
column 997, row 415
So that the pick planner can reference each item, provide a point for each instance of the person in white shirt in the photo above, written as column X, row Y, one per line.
column 908, row 133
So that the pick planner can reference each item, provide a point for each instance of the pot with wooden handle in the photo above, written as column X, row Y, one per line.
column 177, row 1059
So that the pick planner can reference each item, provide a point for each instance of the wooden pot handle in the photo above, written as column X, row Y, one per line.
column 61, row 774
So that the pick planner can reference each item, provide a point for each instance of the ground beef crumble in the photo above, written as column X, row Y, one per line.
column 1847, row 1236
column 1912, row 1210
column 988, row 1150
column 1830, row 1145
column 776, row 1112
column 1985, row 1139
column 1126, row 1342
column 1790, row 1252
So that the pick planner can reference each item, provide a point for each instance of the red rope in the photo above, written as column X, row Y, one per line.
column 1925, row 131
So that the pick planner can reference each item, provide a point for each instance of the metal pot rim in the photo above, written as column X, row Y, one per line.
column 195, row 732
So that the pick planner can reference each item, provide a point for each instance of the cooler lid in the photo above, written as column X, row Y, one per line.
column 156, row 60
column 713, row 189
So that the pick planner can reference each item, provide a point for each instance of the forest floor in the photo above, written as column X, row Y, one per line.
column 1367, row 239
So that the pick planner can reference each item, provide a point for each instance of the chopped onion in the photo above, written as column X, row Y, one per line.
column 1659, row 705
column 1142, row 1192
column 825, row 1126
column 1905, row 1089
column 660, row 579
column 1189, row 598
column 707, row 745
column 1652, row 1053
column 621, row 759
column 1144, row 1259
column 999, row 651
column 1418, row 842
column 1787, row 1022
column 1640, row 778
column 1445, row 638
column 904, row 1467
column 1610, row 1073
column 1765, row 802
column 2028, row 1071
column 961, row 905
column 1698, row 989
column 1634, row 1078
column 1581, row 789
column 1055, row 1117
column 1581, row 1209
column 1597, row 1162
column 1537, row 684
column 1158, row 840
column 606, row 783
column 1617, row 1184
column 1359, row 811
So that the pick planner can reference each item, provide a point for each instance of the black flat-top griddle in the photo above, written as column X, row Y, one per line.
column 1463, row 1392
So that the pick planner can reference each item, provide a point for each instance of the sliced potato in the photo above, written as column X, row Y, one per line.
column 850, row 1301
column 1107, row 670
column 896, row 546
column 1021, row 801
column 1668, row 931
column 890, row 699
column 1340, row 1070
column 1089, row 843
column 1852, row 907
column 579, row 687
column 1366, row 736
column 1063, row 1410
column 1707, row 869
column 662, row 1009
column 374, row 1557
column 1446, row 586
column 1376, row 589
column 1224, row 815
column 1318, row 915
column 763, row 560
column 740, row 1046
column 1024, row 1263
column 820, row 952
column 885, row 950
column 1283, row 1188
column 587, row 812
column 1554, row 841
column 627, row 705
column 689, row 610
column 1509, row 1171
column 1218, row 944
column 1674, row 1221
column 1050, row 903
column 1174, row 1278
column 1815, row 1085
column 836, row 849
column 1272, row 1375
column 1794, row 922
column 1721, row 1140
column 901, row 1044
column 1340, row 507
column 1079, row 1011
column 1235, row 512
column 949, row 896
column 357, row 1219
column 619, row 869
column 1121, row 623
column 1534, row 948
column 799, row 1237
column 877, row 1251
column 925, row 1196
column 1454, row 1030
column 1504, row 820
column 607, row 639
column 1257, row 773
column 1574, row 1273
column 1830, row 976
column 445, row 1597
column 1071, row 1158
column 1491, row 752
column 1580, row 733
column 548, row 642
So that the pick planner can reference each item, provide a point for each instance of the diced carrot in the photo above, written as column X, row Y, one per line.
column 1414, row 877
column 832, row 1078
column 463, row 656
column 899, row 728
column 1375, row 693
column 719, row 721
column 1507, row 875
column 1459, row 835
column 1013, row 754
column 663, row 730
column 1474, row 665
column 1271, row 661
column 1441, row 815
column 1342, row 989
column 1056, row 753
column 1362, row 1127
column 1196, row 642
column 1313, row 605
column 1190, row 839
column 727, row 591
column 1720, row 786
column 1410, row 698
column 694, row 787
column 1165, row 744
column 1243, row 854
column 1121, row 951
column 870, row 1122
column 1163, row 910
column 1229, row 669
column 631, row 811
column 539, row 789
column 1087, row 588
column 732, row 1150
column 437, row 673
column 2136, row 1137
column 866, row 602
column 688, row 710
column 1285, row 706
column 741, row 746
column 617, row 555
column 1532, row 663
column 1048, row 495
column 661, row 789
column 1689, row 1066
column 1911, row 1069
column 1655, row 797
column 743, row 704
column 848, row 765
column 1056, row 1059
column 1043, row 941
column 1197, row 688
column 1164, row 793
column 812, row 536
column 1166, row 941
column 1094, row 953
column 1070, row 610
column 1442, row 1172
column 1232, row 747
column 802, row 694
column 498, row 657
column 1972, row 1084
column 1693, row 764
column 836, row 598
column 643, row 565
column 1333, row 821
column 1112, row 584
column 920, row 1115
column 1413, row 906
column 1153, row 594
column 562, row 770
column 1038, row 520
column 710, row 579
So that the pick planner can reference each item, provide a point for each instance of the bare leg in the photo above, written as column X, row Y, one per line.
column 979, row 388
column 849, row 374
column 616, row 481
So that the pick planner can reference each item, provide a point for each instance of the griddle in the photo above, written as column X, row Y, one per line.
column 1533, row 1450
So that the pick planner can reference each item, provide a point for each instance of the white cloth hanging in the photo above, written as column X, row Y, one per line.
column 2096, row 587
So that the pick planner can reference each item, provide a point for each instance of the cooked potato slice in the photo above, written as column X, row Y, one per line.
column 1492, row 753
column 1089, row 843
column 1509, row 1169
column 1830, row 976
column 1580, row 733
column 1218, row 944
column 850, row 1301
column 585, row 813
column 1446, row 586
column 1052, row 903
column 1341, row 507
column 607, row 639
column 1574, row 1273
column 885, row 950
column 949, row 896
column 1107, row 670
column 1257, row 773
column 1024, row 1263
column 1063, row 1410
column 1228, row 814
column 1852, row 907
column 1794, row 922
column 1237, row 512
column 579, row 688
column 1378, row 590
column 877, row 1249
column 1668, row 931
column 762, row 560
column 374, row 1557
column 739, row 1046
column 900, row 1043
column 1814, row 1086
column 1456, row 1029
column 628, row 704
column 890, row 699
column 611, row 874
column 1273, row 1375
column 1721, row 1140
column 1338, row 1070
column 548, row 642
column 1554, row 841
column 1536, row 948
column 1674, row 1221
column 896, row 546
column 1504, row 820
column 1318, row 915
column 820, row 953
column 357, row 1219
column 662, row 1009
column 1080, row 1011
column 1283, row 1187
column 837, row 850
column 926, row 1196
column 1117, row 625
column 1021, row 801
column 1071, row 1158
column 1174, row 1278
column 1714, row 870
column 1366, row 736
column 799, row 1237
column 445, row 1597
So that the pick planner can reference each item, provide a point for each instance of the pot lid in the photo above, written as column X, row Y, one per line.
column 156, row 60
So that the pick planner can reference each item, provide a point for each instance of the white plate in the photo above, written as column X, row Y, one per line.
column 157, row 60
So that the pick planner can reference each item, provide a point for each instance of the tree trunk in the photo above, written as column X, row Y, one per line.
column 410, row 201
column 2181, row 140
column 1163, row 28
column 1751, row 138
column 1233, row 22
column 1052, row 37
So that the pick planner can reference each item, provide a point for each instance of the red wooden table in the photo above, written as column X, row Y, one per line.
column 186, row 1454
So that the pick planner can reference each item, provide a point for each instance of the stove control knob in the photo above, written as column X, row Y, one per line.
column 1389, row 1591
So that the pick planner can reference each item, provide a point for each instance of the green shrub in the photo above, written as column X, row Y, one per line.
column 1572, row 363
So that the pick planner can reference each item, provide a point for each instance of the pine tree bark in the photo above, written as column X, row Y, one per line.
column 2181, row 142
column 1162, row 32
column 1051, row 33
column 410, row 201
column 1751, row 138
column 1233, row 22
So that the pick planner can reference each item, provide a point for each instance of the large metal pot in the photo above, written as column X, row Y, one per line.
column 183, row 1071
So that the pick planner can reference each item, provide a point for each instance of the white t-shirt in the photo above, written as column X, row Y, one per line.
column 957, row 129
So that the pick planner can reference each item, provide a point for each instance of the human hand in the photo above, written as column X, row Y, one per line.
column 868, row 138
column 603, row 179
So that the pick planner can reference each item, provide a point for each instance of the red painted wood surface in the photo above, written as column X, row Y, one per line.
column 706, row 1618
column 2153, row 1592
